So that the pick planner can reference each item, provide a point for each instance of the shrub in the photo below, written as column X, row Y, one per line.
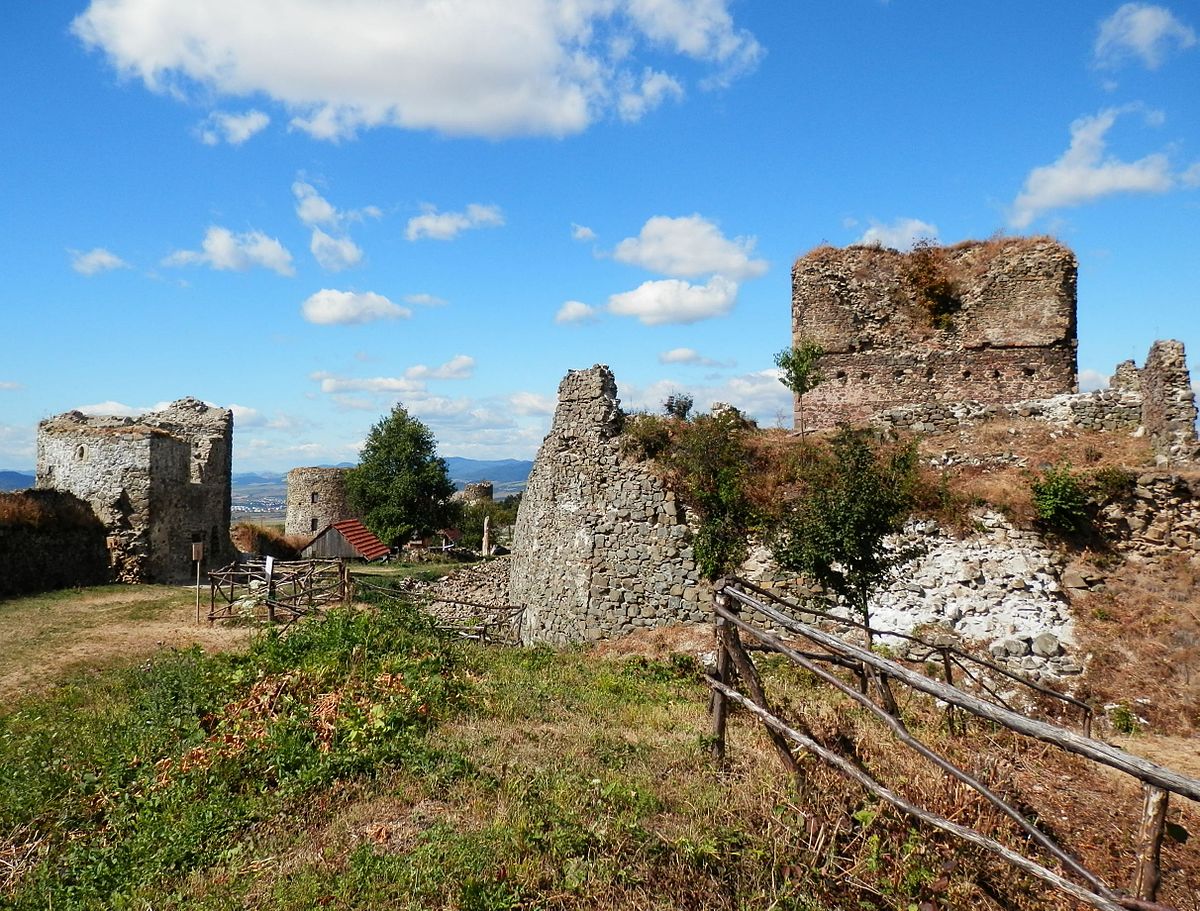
column 933, row 283
column 1061, row 501
column 855, row 494
column 645, row 436
column 678, row 406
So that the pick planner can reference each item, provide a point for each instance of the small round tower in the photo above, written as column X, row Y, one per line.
column 316, row 497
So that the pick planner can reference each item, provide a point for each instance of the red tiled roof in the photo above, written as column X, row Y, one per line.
column 367, row 545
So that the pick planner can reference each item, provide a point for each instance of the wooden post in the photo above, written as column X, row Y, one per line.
column 949, row 672
column 1149, row 844
column 720, row 704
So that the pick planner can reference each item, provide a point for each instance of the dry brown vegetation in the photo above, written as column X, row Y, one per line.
column 267, row 540
column 41, row 508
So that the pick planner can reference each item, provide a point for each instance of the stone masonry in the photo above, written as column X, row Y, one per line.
column 159, row 483
column 1168, row 403
column 1006, row 333
column 316, row 498
column 601, row 547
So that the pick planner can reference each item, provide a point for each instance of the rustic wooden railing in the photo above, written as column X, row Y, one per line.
column 465, row 619
column 276, row 590
column 879, row 673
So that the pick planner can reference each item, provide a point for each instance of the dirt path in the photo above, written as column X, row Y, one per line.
column 46, row 637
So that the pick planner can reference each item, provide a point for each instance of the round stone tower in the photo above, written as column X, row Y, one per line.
column 316, row 497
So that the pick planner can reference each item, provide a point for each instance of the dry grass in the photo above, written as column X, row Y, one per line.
column 40, row 508
column 268, row 540
column 46, row 637
column 1143, row 635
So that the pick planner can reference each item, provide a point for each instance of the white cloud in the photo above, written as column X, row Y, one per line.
column 1091, row 380
column 95, row 261
column 575, row 312
column 636, row 100
column 582, row 232
column 1142, row 31
column 901, row 234
column 1191, row 177
column 18, row 448
column 462, row 67
column 110, row 408
column 330, row 307
column 690, row 357
column 448, row 225
column 758, row 394
column 425, row 300
column 531, row 403
column 10, row 386
column 332, row 383
column 1083, row 173
column 687, row 247
column 313, row 209
column 234, row 129
column 334, row 253
column 459, row 367
column 244, row 416
column 226, row 251
column 656, row 303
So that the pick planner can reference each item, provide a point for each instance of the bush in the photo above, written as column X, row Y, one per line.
column 1061, row 501
column 645, row 436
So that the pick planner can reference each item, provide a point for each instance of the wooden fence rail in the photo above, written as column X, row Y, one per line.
column 462, row 618
column 276, row 590
column 733, row 661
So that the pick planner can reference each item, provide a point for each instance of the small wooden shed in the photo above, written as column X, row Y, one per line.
column 349, row 540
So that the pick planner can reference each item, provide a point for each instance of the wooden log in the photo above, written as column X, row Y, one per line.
column 1149, row 841
column 905, row 736
column 749, row 674
column 939, row 822
column 1096, row 750
column 720, row 706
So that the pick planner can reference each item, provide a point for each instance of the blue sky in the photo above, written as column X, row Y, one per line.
column 307, row 210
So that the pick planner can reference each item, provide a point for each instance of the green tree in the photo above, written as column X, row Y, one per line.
column 400, row 486
column 856, row 493
column 801, row 371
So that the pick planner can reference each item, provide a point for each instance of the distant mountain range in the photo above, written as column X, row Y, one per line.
column 16, row 480
column 508, row 476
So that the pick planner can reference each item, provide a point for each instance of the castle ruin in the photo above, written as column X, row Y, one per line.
column 988, row 322
column 159, row 483
column 316, row 498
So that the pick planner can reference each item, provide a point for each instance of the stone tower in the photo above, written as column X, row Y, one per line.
column 316, row 497
column 159, row 483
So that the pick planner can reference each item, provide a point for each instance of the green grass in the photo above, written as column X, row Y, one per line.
column 362, row 761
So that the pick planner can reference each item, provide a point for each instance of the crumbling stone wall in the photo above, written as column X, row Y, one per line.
column 158, row 483
column 601, row 547
column 479, row 492
column 1003, row 329
column 1156, row 400
column 316, row 498
column 49, row 540
column 1168, row 403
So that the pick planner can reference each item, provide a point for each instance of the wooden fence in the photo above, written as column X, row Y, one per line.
column 465, row 619
column 877, row 674
column 276, row 590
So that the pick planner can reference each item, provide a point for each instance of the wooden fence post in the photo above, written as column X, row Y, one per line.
column 720, row 704
column 1149, row 843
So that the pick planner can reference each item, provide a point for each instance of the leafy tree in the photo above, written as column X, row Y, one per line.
column 710, row 466
column 801, row 371
column 856, row 494
column 400, row 486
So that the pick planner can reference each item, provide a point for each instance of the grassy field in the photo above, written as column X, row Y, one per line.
column 44, row 637
column 364, row 761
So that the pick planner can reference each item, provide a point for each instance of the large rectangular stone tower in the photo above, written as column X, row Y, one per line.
column 158, row 482
column 991, row 321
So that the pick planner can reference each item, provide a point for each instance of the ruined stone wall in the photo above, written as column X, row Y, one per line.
column 158, row 483
column 1168, row 403
column 316, row 497
column 601, row 547
column 1005, row 332
column 49, row 540
column 479, row 492
column 1159, row 519
column 1104, row 410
